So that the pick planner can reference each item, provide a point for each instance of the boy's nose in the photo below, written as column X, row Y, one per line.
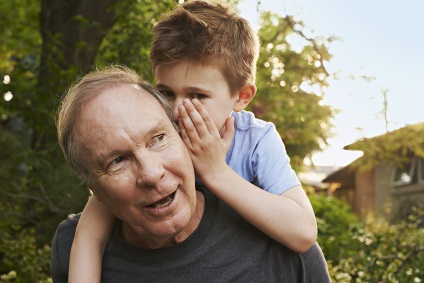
column 177, row 102
column 175, row 112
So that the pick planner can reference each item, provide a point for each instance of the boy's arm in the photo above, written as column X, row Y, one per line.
column 287, row 218
column 92, row 233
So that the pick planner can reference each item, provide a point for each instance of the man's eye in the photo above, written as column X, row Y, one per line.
column 160, row 137
column 117, row 160
column 157, row 140
column 198, row 96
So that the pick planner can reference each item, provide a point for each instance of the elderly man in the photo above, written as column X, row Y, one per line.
column 116, row 131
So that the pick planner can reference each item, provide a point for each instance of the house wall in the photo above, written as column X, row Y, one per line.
column 364, row 199
column 405, row 197
column 400, row 199
column 346, row 194
column 383, row 188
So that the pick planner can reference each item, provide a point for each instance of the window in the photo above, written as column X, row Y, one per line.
column 421, row 170
column 405, row 174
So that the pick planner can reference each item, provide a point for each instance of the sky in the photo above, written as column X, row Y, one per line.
column 379, row 39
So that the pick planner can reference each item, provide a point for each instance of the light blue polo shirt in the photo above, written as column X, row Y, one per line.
column 258, row 154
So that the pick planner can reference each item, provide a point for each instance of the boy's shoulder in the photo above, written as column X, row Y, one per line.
column 246, row 121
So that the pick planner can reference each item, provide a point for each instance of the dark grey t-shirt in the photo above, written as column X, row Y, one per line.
column 224, row 248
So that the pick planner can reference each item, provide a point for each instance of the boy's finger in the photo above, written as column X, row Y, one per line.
column 183, row 133
column 196, row 118
column 204, row 114
column 191, row 130
column 185, row 120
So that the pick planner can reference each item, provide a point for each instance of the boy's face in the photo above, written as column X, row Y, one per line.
column 189, row 80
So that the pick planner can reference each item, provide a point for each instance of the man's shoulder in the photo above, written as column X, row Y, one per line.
column 65, row 232
column 70, row 223
column 61, row 247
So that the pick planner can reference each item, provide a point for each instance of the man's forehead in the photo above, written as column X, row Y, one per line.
column 121, row 103
column 131, row 94
column 116, row 113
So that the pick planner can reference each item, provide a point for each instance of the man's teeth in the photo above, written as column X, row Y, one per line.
column 162, row 202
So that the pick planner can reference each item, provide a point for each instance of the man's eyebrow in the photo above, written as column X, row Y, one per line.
column 158, row 127
column 101, row 159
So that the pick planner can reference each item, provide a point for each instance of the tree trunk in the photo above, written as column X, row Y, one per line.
column 72, row 31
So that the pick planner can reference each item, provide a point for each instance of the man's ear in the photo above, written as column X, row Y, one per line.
column 245, row 95
column 94, row 194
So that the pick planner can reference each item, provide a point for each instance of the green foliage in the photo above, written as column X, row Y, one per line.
column 336, row 222
column 373, row 250
column 128, row 42
column 290, row 84
column 18, row 17
column 26, row 261
column 32, row 204
column 18, row 54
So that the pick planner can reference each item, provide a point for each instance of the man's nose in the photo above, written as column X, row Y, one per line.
column 150, row 170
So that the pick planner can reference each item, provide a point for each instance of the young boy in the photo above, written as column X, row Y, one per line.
column 204, row 61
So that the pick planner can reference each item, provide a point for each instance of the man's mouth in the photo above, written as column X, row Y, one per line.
column 163, row 202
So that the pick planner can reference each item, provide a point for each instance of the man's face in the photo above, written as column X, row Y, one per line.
column 140, row 167
column 188, row 80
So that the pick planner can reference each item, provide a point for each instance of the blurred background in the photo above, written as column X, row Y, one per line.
column 340, row 80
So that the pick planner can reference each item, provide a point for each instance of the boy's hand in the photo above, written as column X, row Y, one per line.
column 198, row 131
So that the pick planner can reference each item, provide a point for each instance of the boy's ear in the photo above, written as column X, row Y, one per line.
column 245, row 95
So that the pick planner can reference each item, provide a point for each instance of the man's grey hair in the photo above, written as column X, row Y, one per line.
column 85, row 89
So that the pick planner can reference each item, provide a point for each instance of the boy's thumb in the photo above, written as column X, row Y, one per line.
column 228, row 135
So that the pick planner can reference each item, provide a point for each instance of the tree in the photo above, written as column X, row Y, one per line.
column 289, row 84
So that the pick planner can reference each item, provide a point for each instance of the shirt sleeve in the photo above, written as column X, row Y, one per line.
column 271, row 164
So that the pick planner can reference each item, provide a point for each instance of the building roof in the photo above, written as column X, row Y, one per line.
column 394, row 147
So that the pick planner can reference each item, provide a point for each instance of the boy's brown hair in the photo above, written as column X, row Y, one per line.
column 208, row 33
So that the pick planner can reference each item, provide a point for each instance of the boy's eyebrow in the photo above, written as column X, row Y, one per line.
column 188, row 89
column 196, row 89
column 159, row 85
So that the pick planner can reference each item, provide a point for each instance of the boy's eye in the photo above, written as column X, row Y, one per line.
column 198, row 96
column 168, row 94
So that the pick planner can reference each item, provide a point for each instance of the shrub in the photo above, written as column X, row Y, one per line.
column 371, row 250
